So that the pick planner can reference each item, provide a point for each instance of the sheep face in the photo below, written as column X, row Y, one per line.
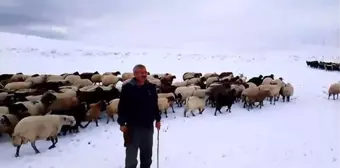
column 48, row 98
column 68, row 120
column 171, row 100
column 4, row 123
column 116, row 73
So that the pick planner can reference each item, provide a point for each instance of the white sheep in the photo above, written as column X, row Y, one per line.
column 166, row 95
column 157, row 82
column 37, row 79
column 96, row 78
column 18, row 85
column 82, row 83
column 179, row 84
column 194, row 103
column 334, row 89
column 127, row 75
column 201, row 93
column 33, row 128
column 34, row 107
column 209, row 75
column 72, row 78
column 182, row 93
column 150, row 77
column 194, row 81
column 109, row 79
column 211, row 80
column 251, row 85
column 112, row 109
column 274, row 91
column 287, row 91
column 34, row 97
column 194, row 86
column 19, row 77
column 54, row 78
column 164, row 103
column 267, row 81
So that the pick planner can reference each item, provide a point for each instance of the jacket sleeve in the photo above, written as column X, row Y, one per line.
column 123, row 105
column 157, row 114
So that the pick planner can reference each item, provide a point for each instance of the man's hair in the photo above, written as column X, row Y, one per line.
column 138, row 66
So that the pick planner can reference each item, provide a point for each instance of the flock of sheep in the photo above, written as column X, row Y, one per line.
column 42, row 106
column 328, row 66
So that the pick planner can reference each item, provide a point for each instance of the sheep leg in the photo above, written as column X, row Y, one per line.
column 35, row 148
column 288, row 98
column 166, row 113
column 271, row 100
column 108, row 119
column 283, row 98
column 337, row 96
column 201, row 110
column 229, row 109
column 185, row 112
column 54, row 142
column 329, row 96
column 96, row 122
column 172, row 107
column 192, row 113
column 17, row 151
column 87, row 124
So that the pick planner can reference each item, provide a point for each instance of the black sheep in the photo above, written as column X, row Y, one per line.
column 225, row 99
column 87, row 75
column 269, row 76
column 256, row 80
column 79, row 114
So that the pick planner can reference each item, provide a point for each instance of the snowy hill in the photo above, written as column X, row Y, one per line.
column 301, row 134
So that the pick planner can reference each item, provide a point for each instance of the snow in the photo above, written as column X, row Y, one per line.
column 303, row 133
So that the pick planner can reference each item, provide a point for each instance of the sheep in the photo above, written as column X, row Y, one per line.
column 194, row 103
column 226, row 74
column 167, row 79
column 211, row 80
column 251, row 85
column 75, row 88
column 189, row 75
column 258, row 97
column 18, row 85
column 19, row 77
column 179, row 84
column 274, row 91
column 249, row 91
column 277, row 82
column 194, row 86
column 35, row 107
column 96, row 78
column 72, row 78
column 127, row 75
column 271, row 76
column 79, row 114
column 209, row 75
column 34, row 98
column 60, row 101
column 54, row 78
column 112, row 73
column 33, row 128
column 238, row 90
column 164, row 103
column 201, row 93
column 82, row 83
column 7, row 123
column 287, row 91
column 87, row 75
column 267, row 81
column 256, row 80
column 182, row 93
column 38, row 80
column 225, row 99
column 334, row 89
column 110, row 79
column 166, row 95
column 149, row 77
column 112, row 109
column 94, row 113
column 157, row 82
column 243, row 78
column 195, row 81
column 159, row 76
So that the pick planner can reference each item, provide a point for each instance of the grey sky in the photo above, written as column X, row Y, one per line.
column 171, row 22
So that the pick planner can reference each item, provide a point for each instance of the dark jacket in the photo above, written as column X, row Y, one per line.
column 138, row 105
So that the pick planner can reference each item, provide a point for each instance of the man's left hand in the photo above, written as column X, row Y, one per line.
column 158, row 125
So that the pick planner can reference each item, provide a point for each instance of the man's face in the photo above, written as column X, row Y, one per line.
column 141, row 74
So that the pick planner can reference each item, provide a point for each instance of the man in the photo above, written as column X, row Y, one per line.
column 137, row 111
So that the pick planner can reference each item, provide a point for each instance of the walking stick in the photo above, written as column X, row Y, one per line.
column 157, row 148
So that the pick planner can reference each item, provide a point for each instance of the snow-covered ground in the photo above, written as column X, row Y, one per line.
column 301, row 134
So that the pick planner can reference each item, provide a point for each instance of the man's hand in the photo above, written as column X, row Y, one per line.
column 123, row 128
column 158, row 125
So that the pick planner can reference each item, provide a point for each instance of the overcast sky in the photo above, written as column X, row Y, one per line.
column 177, row 22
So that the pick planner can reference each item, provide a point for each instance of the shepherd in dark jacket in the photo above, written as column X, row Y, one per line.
column 137, row 111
